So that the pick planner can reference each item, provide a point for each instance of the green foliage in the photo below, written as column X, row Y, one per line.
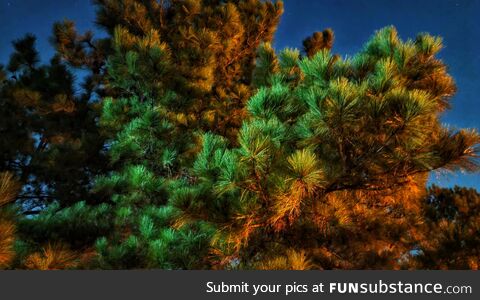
column 175, row 71
column 209, row 150
column 333, row 159
column 77, row 225
column 204, row 51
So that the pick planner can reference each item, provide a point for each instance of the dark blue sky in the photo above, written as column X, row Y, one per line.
column 353, row 21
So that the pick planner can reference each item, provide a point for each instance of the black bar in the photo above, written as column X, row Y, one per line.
column 118, row 285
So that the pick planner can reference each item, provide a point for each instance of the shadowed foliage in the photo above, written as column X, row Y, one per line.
column 453, row 225
column 50, row 138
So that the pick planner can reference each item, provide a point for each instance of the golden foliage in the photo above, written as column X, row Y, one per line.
column 86, row 258
column 52, row 257
column 7, row 238
column 8, row 188
column 318, row 41
column 8, row 191
column 305, row 179
column 292, row 260
column 63, row 104
column 246, row 225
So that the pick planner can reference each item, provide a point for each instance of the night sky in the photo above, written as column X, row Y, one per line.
column 353, row 22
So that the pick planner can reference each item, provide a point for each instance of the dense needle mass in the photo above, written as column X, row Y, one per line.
column 193, row 144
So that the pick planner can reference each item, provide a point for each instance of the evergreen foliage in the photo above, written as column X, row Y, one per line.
column 453, row 224
column 318, row 41
column 48, row 130
column 52, row 144
column 144, row 156
column 211, row 44
column 8, row 191
column 52, row 257
column 194, row 144
column 186, row 71
column 332, row 162
column 166, row 70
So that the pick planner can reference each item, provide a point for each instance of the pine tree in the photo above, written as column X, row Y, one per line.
column 324, row 167
column 173, row 70
column 453, row 225
column 212, row 46
column 50, row 138
column 143, row 154
column 53, row 146
column 318, row 41
column 8, row 191
column 166, row 70
column 331, row 164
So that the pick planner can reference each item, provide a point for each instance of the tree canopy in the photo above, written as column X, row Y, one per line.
column 193, row 144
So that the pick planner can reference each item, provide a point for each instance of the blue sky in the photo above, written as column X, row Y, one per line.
column 353, row 21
